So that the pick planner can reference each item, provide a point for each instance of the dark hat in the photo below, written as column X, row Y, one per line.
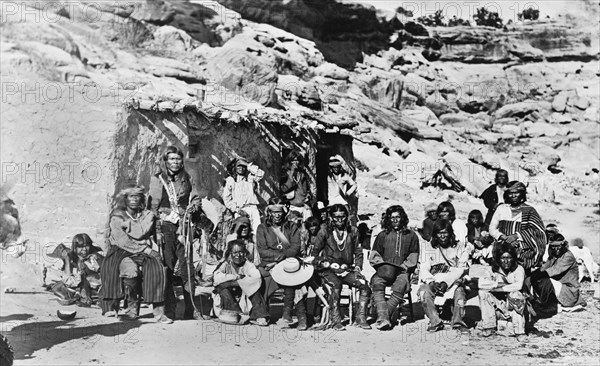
column 386, row 270
column 516, row 186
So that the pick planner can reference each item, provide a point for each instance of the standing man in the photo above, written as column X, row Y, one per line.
column 295, row 185
column 241, row 187
column 398, row 247
column 494, row 194
column 341, row 248
column 173, row 193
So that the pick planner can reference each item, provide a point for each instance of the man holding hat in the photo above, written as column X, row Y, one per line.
column 394, row 256
column 278, row 239
column 342, row 249
column 556, row 282
column 237, row 277
column 240, row 192
column 340, row 186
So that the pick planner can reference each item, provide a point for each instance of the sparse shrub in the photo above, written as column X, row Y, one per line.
column 435, row 20
column 487, row 18
column 131, row 33
column 455, row 22
column 529, row 14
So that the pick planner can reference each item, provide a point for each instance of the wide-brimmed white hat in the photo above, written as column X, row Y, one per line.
column 291, row 272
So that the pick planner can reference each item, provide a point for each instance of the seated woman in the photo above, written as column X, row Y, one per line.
column 502, row 297
column 444, row 265
column 278, row 239
column 478, row 235
column 79, row 270
column 238, row 278
column 556, row 282
column 520, row 225
column 132, row 237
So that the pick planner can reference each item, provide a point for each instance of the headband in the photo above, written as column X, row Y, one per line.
column 132, row 191
column 276, row 207
column 558, row 243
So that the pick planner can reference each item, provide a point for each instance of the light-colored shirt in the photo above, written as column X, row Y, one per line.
column 456, row 257
column 241, row 191
column 514, row 280
column 500, row 193
column 504, row 212
column 338, row 187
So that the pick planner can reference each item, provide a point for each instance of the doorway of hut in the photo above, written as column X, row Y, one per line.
column 328, row 146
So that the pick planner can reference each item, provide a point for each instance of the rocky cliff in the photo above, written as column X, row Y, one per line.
column 463, row 101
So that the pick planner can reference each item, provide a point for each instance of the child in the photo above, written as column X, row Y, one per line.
column 308, row 236
column 79, row 275
column 478, row 235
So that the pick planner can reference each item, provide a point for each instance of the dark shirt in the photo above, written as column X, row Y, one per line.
column 350, row 252
column 490, row 200
column 270, row 247
column 184, row 188
column 398, row 247
column 427, row 228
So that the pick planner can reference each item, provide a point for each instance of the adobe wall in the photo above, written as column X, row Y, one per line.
column 208, row 146
column 57, row 159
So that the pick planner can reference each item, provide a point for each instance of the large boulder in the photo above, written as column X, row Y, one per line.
column 559, row 103
column 252, row 74
column 520, row 109
column 173, row 39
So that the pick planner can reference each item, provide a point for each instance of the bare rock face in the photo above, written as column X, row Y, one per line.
column 341, row 31
column 516, row 109
column 528, row 42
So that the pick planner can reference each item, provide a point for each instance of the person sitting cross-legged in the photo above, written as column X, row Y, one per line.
column 501, row 298
column 238, row 278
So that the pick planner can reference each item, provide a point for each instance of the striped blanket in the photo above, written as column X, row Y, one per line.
column 531, row 228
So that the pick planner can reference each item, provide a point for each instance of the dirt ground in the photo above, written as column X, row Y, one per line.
column 28, row 318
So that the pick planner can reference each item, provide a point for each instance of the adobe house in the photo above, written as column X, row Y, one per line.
column 209, row 135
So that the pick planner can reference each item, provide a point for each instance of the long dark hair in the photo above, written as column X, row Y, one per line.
column 447, row 206
column 337, row 208
column 500, row 249
column 439, row 225
column 80, row 240
column 387, row 223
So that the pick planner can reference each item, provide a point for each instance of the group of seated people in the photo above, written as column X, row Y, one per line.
column 293, row 250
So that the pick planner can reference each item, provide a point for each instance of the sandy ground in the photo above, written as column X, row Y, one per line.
column 38, row 336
